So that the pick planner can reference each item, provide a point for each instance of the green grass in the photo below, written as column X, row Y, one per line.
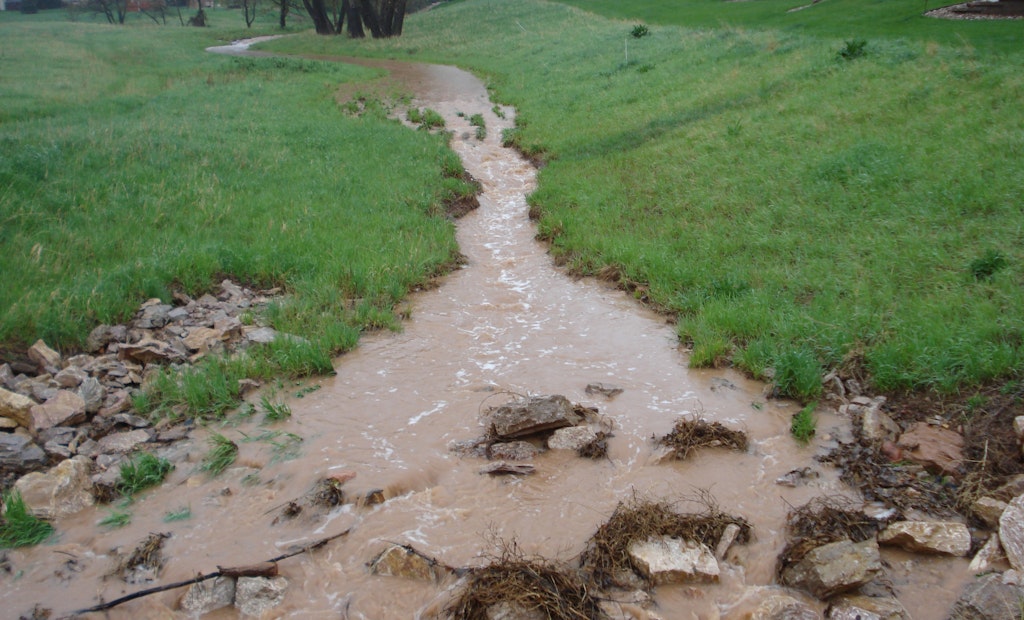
column 793, row 205
column 222, row 454
column 274, row 412
column 116, row 519
column 802, row 426
column 141, row 472
column 18, row 528
column 181, row 514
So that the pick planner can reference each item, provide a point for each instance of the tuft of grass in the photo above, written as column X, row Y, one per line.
column 477, row 120
column 425, row 118
column 222, row 454
column 116, row 519
column 798, row 374
column 986, row 265
column 853, row 49
column 274, row 412
column 141, row 472
column 803, row 425
column 18, row 528
column 180, row 514
column 639, row 31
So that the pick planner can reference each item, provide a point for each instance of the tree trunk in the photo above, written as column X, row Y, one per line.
column 387, row 15
column 355, row 21
column 318, row 13
column 283, row 17
column 370, row 18
column 396, row 27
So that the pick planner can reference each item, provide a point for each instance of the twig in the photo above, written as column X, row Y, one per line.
column 220, row 572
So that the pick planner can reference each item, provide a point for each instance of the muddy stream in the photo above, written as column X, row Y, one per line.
column 508, row 322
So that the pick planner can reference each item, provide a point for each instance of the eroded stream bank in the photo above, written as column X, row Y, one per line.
column 509, row 322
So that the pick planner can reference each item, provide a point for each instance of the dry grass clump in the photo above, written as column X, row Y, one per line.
column 596, row 449
column 821, row 521
column 144, row 562
column 606, row 560
column 517, row 582
column 691, row 433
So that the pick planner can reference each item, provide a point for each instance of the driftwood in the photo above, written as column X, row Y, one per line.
column 263, row 569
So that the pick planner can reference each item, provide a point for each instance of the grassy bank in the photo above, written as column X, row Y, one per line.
column 133, row 163
column 798, row 201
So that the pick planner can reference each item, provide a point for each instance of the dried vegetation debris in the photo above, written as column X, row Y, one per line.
column 691, row 433
column 606, row 561
column 144, row 562
column 821, row 521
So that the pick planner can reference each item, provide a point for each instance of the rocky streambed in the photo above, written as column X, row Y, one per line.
column 530, row 446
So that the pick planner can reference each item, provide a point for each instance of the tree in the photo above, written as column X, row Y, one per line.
column 114, row 10
column 249, row 11
column 383, row 18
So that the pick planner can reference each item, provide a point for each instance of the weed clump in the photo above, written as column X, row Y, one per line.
column 606, row 560
column 853, row 49
column 821, row 521
column 223, row 453
column 18, row 527
column 986, row 265
column 144, row 562
column 802, row 426
column 513, row 582
column 142, row 472
column 689, row 434
column 798, row 374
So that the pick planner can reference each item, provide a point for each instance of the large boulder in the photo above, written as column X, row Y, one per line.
column 835, row 568
column 1011, row 532
column 988, row 598
column 665, row 559
column 61, row 491
column 532, row 415
column 16, row 407
column 942, row 537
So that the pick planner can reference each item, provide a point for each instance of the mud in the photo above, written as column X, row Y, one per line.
column 508, row 321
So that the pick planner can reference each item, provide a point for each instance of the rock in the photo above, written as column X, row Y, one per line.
column 513, row 451
column 572, row 438
column 149, row 350
column 989, row 555
column 671, row 560
column 6, row 375
column 507, row 610
column 228, row 327
column 16, row 407
column 260, row 335
column 201, row 338
column 65, row 408
column 255, row 595
column 1011, row 532
column 608, row 391
column 98, row 338
column 44, row 357
column 61, row 491
column 153, row 315
column 942, row 537
column 783, row 607
column 92, row 393
column 70, row 377
column 19, row 454
column 115, row 402
column 938, row 449
column 404, row 561
column 206, row 596
column 728, row 538
column 7, row 424
column 1018, row 427
column 988, row 598
column 857, row 607
column 498, row 468
column 121, row 443
column 532, row 415
column 478, row 447
column 835, row 568
column 876, row 425
column 988, row 509
column 797, row 477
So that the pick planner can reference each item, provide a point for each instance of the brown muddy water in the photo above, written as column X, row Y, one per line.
column 508, row 322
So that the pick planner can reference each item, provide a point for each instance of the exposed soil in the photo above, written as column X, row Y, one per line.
column 1003, row 9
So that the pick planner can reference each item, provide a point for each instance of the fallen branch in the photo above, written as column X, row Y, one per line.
column 263, row 569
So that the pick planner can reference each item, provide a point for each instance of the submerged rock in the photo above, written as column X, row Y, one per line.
column 206, row 596
column 857, row 607
column 670, row 560
column 572, row 438
column 404, row 561
column 988, row 598
column 513, row 451
column 784, row 607
column 532, row 415
column 835, row 568
column 255, row 595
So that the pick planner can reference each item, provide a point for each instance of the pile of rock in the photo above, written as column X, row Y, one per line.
column 54, row 408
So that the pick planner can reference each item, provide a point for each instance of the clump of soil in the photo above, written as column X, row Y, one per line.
column 691, row 433
column 606, row 560
column 821, row 521
column 143, row 564
column 514, row 582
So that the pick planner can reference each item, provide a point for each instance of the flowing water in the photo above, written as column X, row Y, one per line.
column 508, row 322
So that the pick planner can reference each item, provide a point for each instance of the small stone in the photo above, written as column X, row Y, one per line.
column 672, row 560
column 608, row 391
column 149, row 350
column 513, row 451
column 499, row 468
column 404, row 561
column 572, row 438
column 260, row 335
column 46, row 358
column 532, row 415
column 341, row 477
column 65, row 408
column 989, row 555
column 877, row 426
column 19, row 454
column 255, row 595
column 729, row 535
column 59, row 492
column 92, row 393
column 70, row 377
column 201, row 338
column 942, row 537
column 206, row 596
column 858, row 607
column 121, row 443
column 988, row 509
column 16, row 407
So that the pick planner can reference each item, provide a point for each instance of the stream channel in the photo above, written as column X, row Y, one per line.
column 507, row 322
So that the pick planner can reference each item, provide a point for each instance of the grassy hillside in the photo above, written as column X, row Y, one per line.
column 133, row 163
column 799, row 201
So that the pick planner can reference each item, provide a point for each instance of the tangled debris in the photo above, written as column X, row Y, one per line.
column 596, row 449
column 325, row 494
column 514, row 583
column 606, row 560
column 691, row 433
column 821, row 521
column 143, row 564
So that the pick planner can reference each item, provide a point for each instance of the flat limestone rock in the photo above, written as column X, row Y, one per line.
column 532, row 415
column 938, row 449
column 942, row 537
column 572, row 438
column 61, row 491
column 858, row 607
column 988, row 598
column 65, row 408
column 835, row 568
column 671, row 560
column 1011, row 532
column 16, row 407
